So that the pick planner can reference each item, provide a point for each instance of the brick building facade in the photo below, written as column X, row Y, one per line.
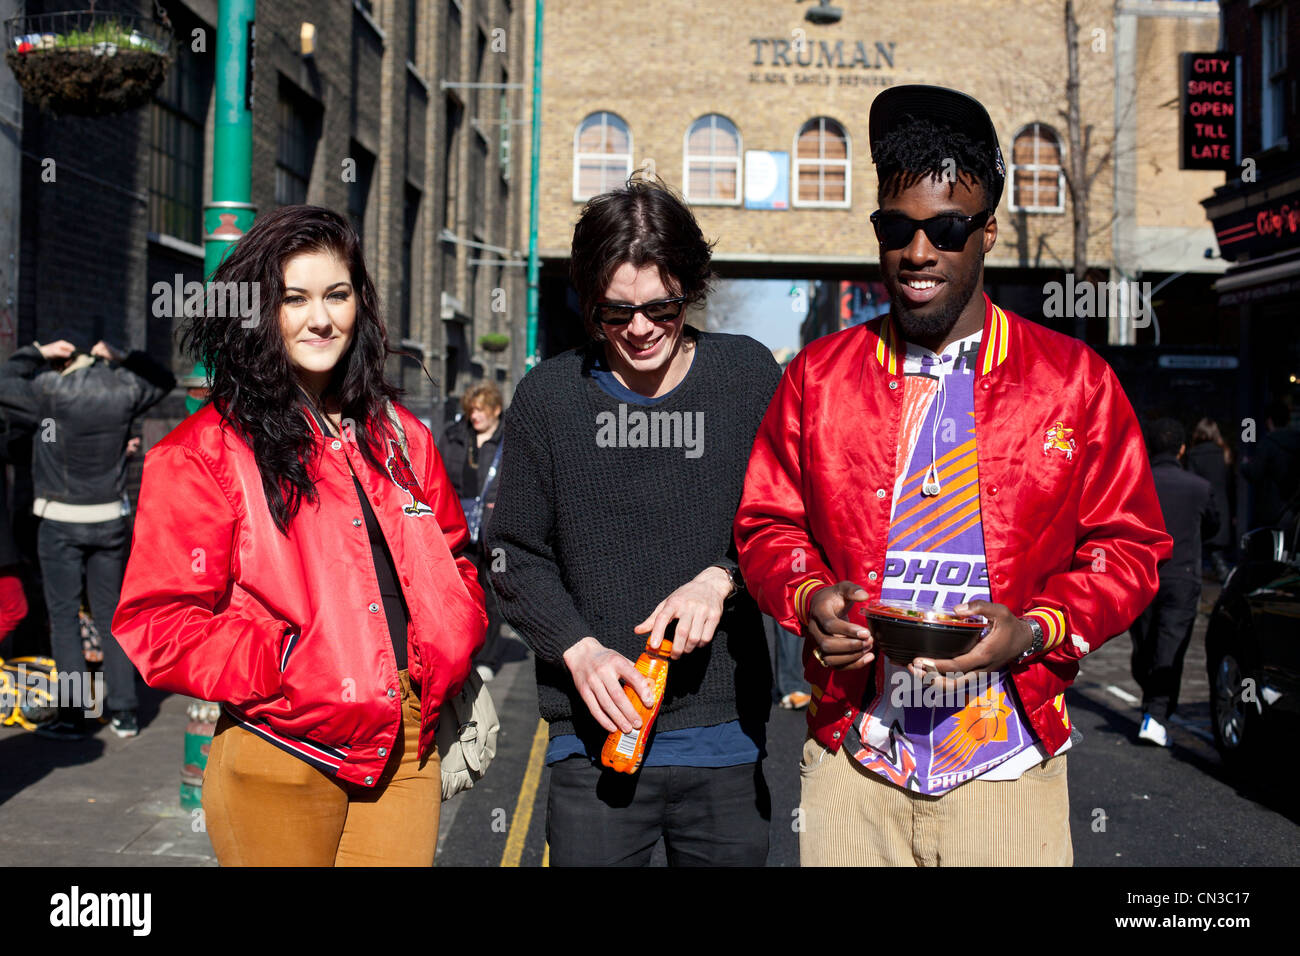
column 379, row 122
column 1256, row 206
column 693, row 89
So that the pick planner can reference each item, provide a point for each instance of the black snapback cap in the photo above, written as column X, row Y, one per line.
column 896, row 105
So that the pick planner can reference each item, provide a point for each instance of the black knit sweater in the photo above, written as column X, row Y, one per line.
column 596, row 526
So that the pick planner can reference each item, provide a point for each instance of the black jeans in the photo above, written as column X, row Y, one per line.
column 1160, row 638
column 490, row 653
column 99, row 550
column 707, row 816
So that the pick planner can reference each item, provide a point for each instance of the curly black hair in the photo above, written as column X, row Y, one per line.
column 1165, row 436
column 253, row 384
column 642, row 223
column 922, row 149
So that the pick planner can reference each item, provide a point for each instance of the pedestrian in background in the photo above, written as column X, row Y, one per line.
column 13, row 598
column 1273, row 469
column 81, row 407
column 1162, row 632
column 198, row 387
column 299, row 559
column 611, row 538
column 471, row 450
column 1210, row 457
column 787, row 672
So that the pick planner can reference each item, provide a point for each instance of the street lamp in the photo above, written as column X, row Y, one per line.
column 822, row 13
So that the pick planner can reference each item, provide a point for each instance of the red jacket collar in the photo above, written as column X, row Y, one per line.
column 995, row 343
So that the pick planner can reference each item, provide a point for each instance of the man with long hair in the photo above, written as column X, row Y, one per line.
column 623, row 466
column 956, row 457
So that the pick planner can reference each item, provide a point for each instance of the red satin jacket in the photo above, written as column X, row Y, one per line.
column 289, row 632
column 1073, row 532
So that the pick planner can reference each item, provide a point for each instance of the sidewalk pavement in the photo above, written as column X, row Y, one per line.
column 103, row 801
column 106, row 801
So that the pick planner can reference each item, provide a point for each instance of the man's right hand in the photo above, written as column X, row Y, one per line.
column 599, row 674
column 842, row 645
column 57, row 350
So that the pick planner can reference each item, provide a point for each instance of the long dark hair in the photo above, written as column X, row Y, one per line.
column 253, row 384
column 642, row 223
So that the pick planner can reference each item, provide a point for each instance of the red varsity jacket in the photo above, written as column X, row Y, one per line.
column 1072, row 528
column 289, row 631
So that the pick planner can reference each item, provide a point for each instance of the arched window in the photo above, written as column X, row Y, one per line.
column 1037, row 180
column 602, row 155
column 821, row 164
column 711, row 161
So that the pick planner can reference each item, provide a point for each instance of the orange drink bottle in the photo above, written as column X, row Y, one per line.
column 624, row 752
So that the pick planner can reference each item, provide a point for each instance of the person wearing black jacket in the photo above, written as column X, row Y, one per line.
column 13, row 599
column 471, row 452
column 81, row 407
column 1210, row 457
column 1163, row 631
column 1273, row 469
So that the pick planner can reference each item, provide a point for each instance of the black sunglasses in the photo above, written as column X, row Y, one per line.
column 661, row 310
column 947, row 233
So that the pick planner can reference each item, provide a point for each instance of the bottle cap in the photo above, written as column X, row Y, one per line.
column 665, row 647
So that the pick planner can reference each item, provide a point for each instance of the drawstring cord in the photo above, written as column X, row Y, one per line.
column 930, row 486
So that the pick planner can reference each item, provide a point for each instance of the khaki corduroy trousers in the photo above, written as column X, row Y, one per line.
column 853, row 817
column 266, row 807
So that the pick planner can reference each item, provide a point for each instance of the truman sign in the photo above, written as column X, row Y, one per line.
column 851, row 57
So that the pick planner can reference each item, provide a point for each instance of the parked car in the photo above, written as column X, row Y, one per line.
column 1252, row 648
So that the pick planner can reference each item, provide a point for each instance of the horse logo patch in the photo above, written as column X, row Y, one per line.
column 1058, row 438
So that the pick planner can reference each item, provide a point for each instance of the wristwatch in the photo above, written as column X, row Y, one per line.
column 737, row 582
column 1037, row 646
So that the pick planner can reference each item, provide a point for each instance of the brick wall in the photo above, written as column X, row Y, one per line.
column 86, row 259
column 83, row 228
column 684, row 60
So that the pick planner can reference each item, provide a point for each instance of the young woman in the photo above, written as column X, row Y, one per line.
column 471, row 449
column 298, row 558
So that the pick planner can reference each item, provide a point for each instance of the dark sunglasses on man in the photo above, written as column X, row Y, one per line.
column 947, row 233
column 661, row 310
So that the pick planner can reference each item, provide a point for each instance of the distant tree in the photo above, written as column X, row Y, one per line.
column 725, row 306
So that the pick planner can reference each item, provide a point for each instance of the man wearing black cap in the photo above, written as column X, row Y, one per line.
column 81, row 407
column 959, row 458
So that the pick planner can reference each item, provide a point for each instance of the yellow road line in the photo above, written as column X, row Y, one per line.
column 546, row 856
column 523, row 815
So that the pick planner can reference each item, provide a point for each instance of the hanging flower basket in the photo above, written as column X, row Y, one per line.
column 494, row 342
column 88, row 63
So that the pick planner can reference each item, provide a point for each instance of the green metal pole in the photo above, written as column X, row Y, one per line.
column 225, row 220
column 230, row 213
column 534, row 162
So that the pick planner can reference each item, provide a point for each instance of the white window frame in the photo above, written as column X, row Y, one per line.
column 603, row 157
column 688, row 157
column 846, row 162
column 1036, row 129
